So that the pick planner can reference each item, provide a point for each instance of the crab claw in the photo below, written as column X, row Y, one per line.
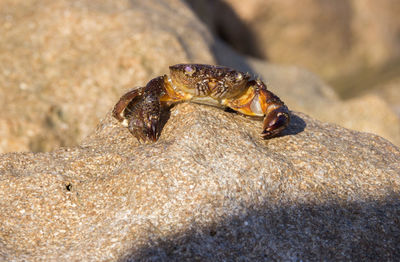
column 140, row 110
column 275, row 121
column 144, row 127
column 152, row 130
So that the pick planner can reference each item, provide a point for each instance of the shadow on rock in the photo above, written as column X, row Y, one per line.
column 296, row 125
column 357, row 231
column 165, row 115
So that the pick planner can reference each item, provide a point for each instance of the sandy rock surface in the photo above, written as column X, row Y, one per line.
column 64, row 63
column 209, row 189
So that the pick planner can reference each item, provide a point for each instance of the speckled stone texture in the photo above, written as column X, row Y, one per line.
column 209, row 190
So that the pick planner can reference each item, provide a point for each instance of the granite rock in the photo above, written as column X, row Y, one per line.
column 209, row 189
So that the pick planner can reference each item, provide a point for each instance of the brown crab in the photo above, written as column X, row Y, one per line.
column 140, row 108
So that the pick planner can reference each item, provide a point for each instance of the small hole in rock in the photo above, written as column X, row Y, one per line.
column 213, row 233
column 68, row 186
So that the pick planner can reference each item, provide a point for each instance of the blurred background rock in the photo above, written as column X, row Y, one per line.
column 354, row 45
column 63, row 64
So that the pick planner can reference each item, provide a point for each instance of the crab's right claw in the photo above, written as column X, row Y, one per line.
column 140, row 110
column 275, row 121
column 145, row 125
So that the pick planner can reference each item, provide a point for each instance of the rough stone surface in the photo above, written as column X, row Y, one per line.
column 209, row 189
column 64, row 63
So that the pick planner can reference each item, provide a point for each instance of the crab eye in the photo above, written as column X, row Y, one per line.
column 189, row 70
column 238, row 76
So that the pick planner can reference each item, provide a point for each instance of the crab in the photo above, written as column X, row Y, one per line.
column 140, row 109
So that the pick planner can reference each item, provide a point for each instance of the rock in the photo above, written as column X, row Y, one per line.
column 301, row 89
column 390, row 92
column 368, row 113
column 363, row 35
column 209, row 189
column 64, row 63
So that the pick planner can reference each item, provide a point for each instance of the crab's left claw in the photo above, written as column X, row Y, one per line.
column 275, row 121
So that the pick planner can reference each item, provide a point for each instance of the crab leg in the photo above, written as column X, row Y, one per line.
column 258, row 101
column 119, row 108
